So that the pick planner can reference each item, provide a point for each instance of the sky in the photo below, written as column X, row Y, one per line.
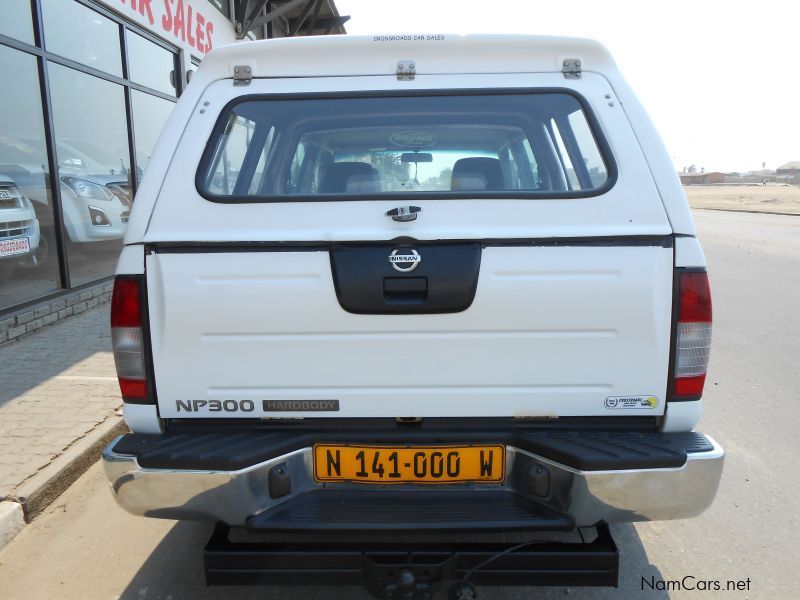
column 721, row 80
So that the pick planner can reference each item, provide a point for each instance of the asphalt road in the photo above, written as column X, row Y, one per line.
column 84, row 547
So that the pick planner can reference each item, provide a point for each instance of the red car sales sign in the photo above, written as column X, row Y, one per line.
column 192, row 24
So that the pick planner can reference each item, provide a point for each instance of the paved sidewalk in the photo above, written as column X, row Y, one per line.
column 57, row 387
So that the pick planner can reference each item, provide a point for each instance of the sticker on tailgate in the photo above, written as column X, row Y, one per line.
column 631, row 402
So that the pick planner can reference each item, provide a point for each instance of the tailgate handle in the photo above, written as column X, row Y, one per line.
column 405, row 289
column 404, row 214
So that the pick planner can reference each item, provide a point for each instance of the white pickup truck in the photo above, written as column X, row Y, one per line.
column 379, row 288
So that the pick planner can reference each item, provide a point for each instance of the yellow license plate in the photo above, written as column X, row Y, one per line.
column 409, row 464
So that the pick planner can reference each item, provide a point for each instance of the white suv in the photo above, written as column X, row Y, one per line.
column 378, row 288
column 19, row 229
column 95, row 196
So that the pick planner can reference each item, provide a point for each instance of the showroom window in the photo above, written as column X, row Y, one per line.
column 16, row 21
column 27, row 268
column 93, row 166
column 90, row 39
column 150, row 65
column 149, row 115
column 91, row 95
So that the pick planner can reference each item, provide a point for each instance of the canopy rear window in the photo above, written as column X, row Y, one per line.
column 520, row 144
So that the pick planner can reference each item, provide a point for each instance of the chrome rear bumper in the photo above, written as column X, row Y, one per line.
column 588, row 497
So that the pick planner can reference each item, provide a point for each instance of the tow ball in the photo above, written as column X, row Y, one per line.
column 407, row 587
column 462, row 591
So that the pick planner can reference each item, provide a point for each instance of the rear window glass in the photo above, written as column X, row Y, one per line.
column 472, row 145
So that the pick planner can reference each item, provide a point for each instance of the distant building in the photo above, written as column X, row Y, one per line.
column 702, row 178
column 790, row 168
column 750, row 177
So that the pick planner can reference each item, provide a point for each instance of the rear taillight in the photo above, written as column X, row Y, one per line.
column 693, row 336
column 127, row 338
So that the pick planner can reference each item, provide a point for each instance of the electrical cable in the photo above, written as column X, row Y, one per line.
column 493, row 558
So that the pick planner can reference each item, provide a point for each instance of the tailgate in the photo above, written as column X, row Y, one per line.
column 544, row 284
column 580, row 329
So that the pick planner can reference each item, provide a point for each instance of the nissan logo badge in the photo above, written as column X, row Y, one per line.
column 404, row 260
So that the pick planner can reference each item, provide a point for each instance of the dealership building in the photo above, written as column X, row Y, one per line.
column 87, row 87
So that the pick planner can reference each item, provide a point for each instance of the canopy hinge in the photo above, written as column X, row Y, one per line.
column 406, row 70
column 242, row 75
column 571, row 68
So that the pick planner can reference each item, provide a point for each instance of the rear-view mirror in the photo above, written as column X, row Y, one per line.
column 416, row 157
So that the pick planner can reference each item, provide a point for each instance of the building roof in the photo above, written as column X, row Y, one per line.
column 795, row 164
column 302, row 17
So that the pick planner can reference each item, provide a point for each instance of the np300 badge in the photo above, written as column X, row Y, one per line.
column 404, row 260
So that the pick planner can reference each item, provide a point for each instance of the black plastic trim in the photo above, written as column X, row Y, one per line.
column 147, row 339
column 444, row 281
column 199, row 247
column 583, row 450
column 594, row 126
column 377, row 425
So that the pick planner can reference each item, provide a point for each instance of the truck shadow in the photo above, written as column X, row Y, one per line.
column 175, row 570
column 77, row 351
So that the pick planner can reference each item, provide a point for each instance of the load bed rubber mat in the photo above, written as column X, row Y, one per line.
column 348, row 510
column 583, row 450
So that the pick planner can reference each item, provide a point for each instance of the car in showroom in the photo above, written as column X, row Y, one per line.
column 95, row 196
column 19, row 229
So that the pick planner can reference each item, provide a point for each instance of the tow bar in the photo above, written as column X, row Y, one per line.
column 412, row 571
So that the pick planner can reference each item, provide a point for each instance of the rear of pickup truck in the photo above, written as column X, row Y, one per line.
column 468, row 299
